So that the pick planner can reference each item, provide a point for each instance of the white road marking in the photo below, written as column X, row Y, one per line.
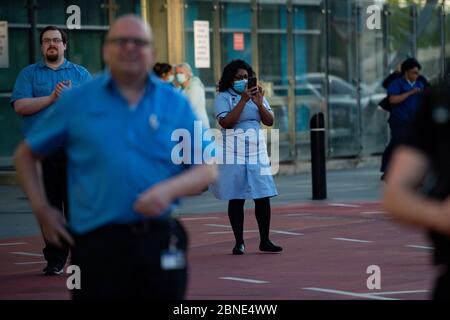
column 344, row 205
column 373, row 212
column 28, row 254
column 244, row 280
column 298, row 214
column 397, row 292
column 352, row 240
column 419, row 247
column 11, row 244
column 224, row 232
column 254, row 231
column 348, row 293
column 25, row 263
column 218, row 225
column 287, row 232
column 200, row 218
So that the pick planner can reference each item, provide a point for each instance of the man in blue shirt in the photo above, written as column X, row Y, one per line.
column 123, row 184
column 405, row 95
column 37, row 88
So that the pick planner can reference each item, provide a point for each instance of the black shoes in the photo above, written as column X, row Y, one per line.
column 265, row 246
column 238, row 249
column 53, row 268
column 268, row 246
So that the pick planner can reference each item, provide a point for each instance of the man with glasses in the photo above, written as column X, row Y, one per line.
column 123, row 184
column 405, row 95
column 37, row 88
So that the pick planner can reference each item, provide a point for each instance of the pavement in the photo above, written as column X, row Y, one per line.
column 331, row 247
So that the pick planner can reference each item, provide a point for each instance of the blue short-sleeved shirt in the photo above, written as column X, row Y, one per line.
column 114, row 152
column 39, row 80
column 405, row 111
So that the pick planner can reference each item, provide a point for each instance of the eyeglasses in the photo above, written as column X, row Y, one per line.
column 54, row 40
column 122, row 42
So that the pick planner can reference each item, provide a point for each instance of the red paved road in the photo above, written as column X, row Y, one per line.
column 313, row 258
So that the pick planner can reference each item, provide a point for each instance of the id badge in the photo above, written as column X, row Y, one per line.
column 173, row 260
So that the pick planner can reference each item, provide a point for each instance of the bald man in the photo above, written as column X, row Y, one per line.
column 122, row 183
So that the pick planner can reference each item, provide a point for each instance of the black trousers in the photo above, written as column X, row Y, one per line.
column 54, row 173
column 398, row 134
column 262, row 213
column 441, row 290
column 124, row 262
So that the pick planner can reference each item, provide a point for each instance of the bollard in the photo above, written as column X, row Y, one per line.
column 318, row 170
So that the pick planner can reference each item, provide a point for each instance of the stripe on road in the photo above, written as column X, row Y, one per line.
column 200, row 218
column 419, row 247
column 11, row 244
column 28, row 254
column 218, row 225
column 352, row 240
column 398, row 292
column 344, row 205
column 348, row 293
column 26, row 263
column 244, row 280
column 287, row 232
column 225, row 232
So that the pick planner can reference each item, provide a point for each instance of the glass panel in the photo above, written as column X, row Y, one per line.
column 447, row 37
column 53, row 12
column 198, row 10
column 309, row 76
column 18, row 58
column 82, row 46
column 374, row 119
column 428, row 42
column 272, row 23
column 9, row 131
column 400, row 37
column 13, row 11
column 343, row 113
column 235, row 18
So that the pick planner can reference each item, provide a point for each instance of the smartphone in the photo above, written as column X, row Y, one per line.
column 251, row 82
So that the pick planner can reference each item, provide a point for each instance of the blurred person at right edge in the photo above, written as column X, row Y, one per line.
column 404, row 95
column 194, row 90
column 418, row 182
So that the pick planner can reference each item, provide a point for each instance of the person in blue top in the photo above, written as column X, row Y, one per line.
column 242, row 109
column 405, row 95
column 123, row 183
column 36, row 90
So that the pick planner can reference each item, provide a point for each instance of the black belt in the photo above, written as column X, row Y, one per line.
column 135, row 228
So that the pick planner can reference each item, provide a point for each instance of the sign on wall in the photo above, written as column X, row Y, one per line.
column 238, row 41
column 201, row 44
column 4, row 51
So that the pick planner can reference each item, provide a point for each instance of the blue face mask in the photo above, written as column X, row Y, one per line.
column 239, row 86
